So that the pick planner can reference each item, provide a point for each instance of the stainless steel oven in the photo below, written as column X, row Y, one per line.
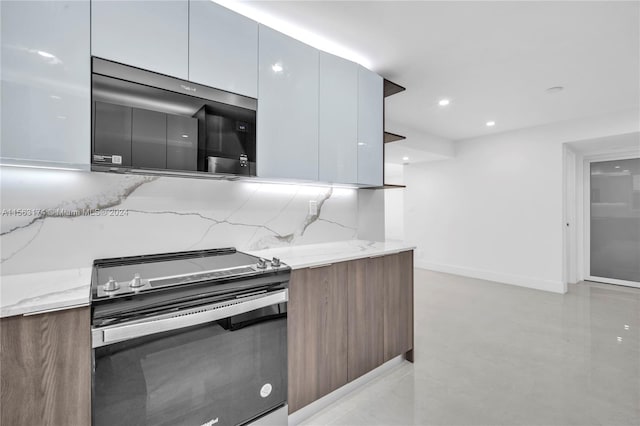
column 203, row 347
column 152, row 123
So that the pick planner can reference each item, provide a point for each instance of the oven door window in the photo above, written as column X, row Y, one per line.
column 224, row 373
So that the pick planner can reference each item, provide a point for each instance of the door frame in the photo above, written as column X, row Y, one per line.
column 586, row 211
column 570, row 220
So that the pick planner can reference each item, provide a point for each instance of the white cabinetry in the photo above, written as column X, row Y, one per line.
column 150, row 34
column 370, row 128
column 223, row 48
column 319, row 116
column 338, row 120
column 287, row 131
column 45, row 83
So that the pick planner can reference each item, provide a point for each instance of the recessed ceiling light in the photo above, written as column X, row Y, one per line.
column 276, row 68
column 491, row 123
column 45, row 54
column 617, row 167
column 405, row 158
column 444, row 102
column 554, row 89
column 626, row 171
column 185, row 136
column 55, row 97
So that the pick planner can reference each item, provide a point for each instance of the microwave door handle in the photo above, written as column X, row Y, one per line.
column 117, row 333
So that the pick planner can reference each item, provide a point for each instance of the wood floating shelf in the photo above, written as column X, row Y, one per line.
column 391, row 88
column 387, row 186
column 392, row 137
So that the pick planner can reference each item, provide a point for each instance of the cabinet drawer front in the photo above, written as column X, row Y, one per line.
column 148, row 139
column 46, row 107
column 223, row 48
column 366, row 330
column 398, row 304
column 287, row 136
column 338, row 120
column 182, row 143
column 112, row 131
column 46, row 369
column 152, row 35
column 317, row 333
column 370, row 128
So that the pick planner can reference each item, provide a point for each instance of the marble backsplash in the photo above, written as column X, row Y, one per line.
column 55, row 219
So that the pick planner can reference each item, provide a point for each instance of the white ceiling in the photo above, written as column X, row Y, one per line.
column 493, row 59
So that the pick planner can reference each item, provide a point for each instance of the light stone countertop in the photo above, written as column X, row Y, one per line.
column 22, row 294
column 44, row 291
column 304, row 256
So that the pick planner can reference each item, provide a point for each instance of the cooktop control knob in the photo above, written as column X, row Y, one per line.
column 262, row 263
column 275, row 262
column 136, row 281
column 111, row 285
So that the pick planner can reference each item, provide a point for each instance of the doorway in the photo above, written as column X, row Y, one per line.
column 612, row 219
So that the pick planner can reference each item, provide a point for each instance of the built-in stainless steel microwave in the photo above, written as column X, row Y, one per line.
column 151, row 122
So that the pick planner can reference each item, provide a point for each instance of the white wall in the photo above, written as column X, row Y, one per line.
column 394, row 202
column 495, row 211
column 418, row 145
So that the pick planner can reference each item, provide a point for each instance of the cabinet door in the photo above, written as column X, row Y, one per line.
column 338, row 120
column 151, row 34
column 287, row 134
column 46, row 369
column 46, row 109
column 112, row 131
column 223, row 48
column 366, row 295
column 398, row 304
column 148, row 139
column 370, row 128
column 182, row 143
column 317, row 333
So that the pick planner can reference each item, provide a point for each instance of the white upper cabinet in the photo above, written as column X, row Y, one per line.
column 370, row 128
column 149, row 34
column 338, row 122
column 287, row 131
column 45, row 83
column 223, row 48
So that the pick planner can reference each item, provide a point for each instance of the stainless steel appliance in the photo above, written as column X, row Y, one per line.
column 189, row 338
column 225, row 165
column 144, row 121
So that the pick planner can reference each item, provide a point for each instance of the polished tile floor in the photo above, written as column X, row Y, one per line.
column 494, row 354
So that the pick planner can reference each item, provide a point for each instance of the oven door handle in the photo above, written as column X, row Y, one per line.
column 117, row 333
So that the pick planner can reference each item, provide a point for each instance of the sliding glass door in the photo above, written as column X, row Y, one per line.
column 615, row 221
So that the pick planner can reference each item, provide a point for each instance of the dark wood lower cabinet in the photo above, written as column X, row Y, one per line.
column 345, row 320
column 398, row 305
column 366, row 306
column 317, row 333
column 46, row 369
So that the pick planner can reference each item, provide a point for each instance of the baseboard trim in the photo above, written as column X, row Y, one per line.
column 316, row 406
column 518, row 280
